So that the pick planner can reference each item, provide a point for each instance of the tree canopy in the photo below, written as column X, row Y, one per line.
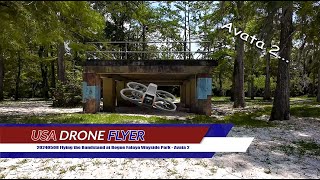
column 44, row 43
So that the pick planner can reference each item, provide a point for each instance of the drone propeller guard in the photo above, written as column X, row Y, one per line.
column 140, row 94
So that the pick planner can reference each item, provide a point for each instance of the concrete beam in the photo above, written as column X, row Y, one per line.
column 159, row 70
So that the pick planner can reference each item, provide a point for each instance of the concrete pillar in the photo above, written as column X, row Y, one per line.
column 183, row 95
column 204, row 93
column 91, row 93
column 119, row 86
column 193, row 91
column 188, row 94
column 109, row 94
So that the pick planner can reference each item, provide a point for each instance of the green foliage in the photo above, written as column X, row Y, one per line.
column 26, row 26
column 31, row 26
column 67, row 95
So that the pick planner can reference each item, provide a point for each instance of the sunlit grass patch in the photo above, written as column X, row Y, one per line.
column 248, row 119
column 302, row 98
column 220, row 99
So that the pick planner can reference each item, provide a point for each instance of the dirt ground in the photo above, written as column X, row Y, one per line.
column 269, row 156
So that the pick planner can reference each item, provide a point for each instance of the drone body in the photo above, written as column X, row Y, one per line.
column 148, row 96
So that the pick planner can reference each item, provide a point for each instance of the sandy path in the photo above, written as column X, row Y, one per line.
column 264, row 158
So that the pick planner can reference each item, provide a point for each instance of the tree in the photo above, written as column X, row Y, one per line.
column 1, row 75
column 271, row 8
column 281, row 104
column 238, row 78
column 318, row 95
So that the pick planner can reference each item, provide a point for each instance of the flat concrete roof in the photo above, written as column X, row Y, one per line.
column 149, row 66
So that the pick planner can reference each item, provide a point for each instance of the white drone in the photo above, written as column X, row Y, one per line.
column 140, row 94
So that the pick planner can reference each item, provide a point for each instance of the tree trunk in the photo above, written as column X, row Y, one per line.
column 267, row 89
column 313, row 87
column 318, row 94
column 44, row 75
column 1, row 76
column 220, row 83
column 143, row 41
column 45, row 87
column 189, row 34
column 185, row 31
column 53, row 77
column 269, row 36
column 53, row 73
column 239, row 75
column 232, row 85
column 249, row 88
column 61, row 67
column 281, row 103
column 252, row 87
column 16, row 97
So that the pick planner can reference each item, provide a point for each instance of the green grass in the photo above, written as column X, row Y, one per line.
column 310, row 147
column 301, row 148
column 220, row 99
column 77, row 118
column 305, row 111
column 72, row 168
column 96, row 119
column 238, row 119
column 303, row 98
column 298, row 109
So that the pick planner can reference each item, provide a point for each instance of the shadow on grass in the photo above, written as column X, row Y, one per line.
column 239, row 119
column 301, row 148
column 96, row 119
column 305, row 111
column 123, row 119
column 247, row 119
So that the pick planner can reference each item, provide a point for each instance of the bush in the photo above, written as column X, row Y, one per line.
column 67, row 95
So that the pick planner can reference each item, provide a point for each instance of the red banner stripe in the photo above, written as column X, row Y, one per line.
column 101, row 134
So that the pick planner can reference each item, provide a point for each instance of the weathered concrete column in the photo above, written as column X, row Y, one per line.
column 91, row 93
column 183, row 95
column 119, row 86
column 188, row 94
column 193, row 91
column 109, row 94
column 204, row 93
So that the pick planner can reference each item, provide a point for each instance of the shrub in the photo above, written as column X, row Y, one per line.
column 67, row 95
